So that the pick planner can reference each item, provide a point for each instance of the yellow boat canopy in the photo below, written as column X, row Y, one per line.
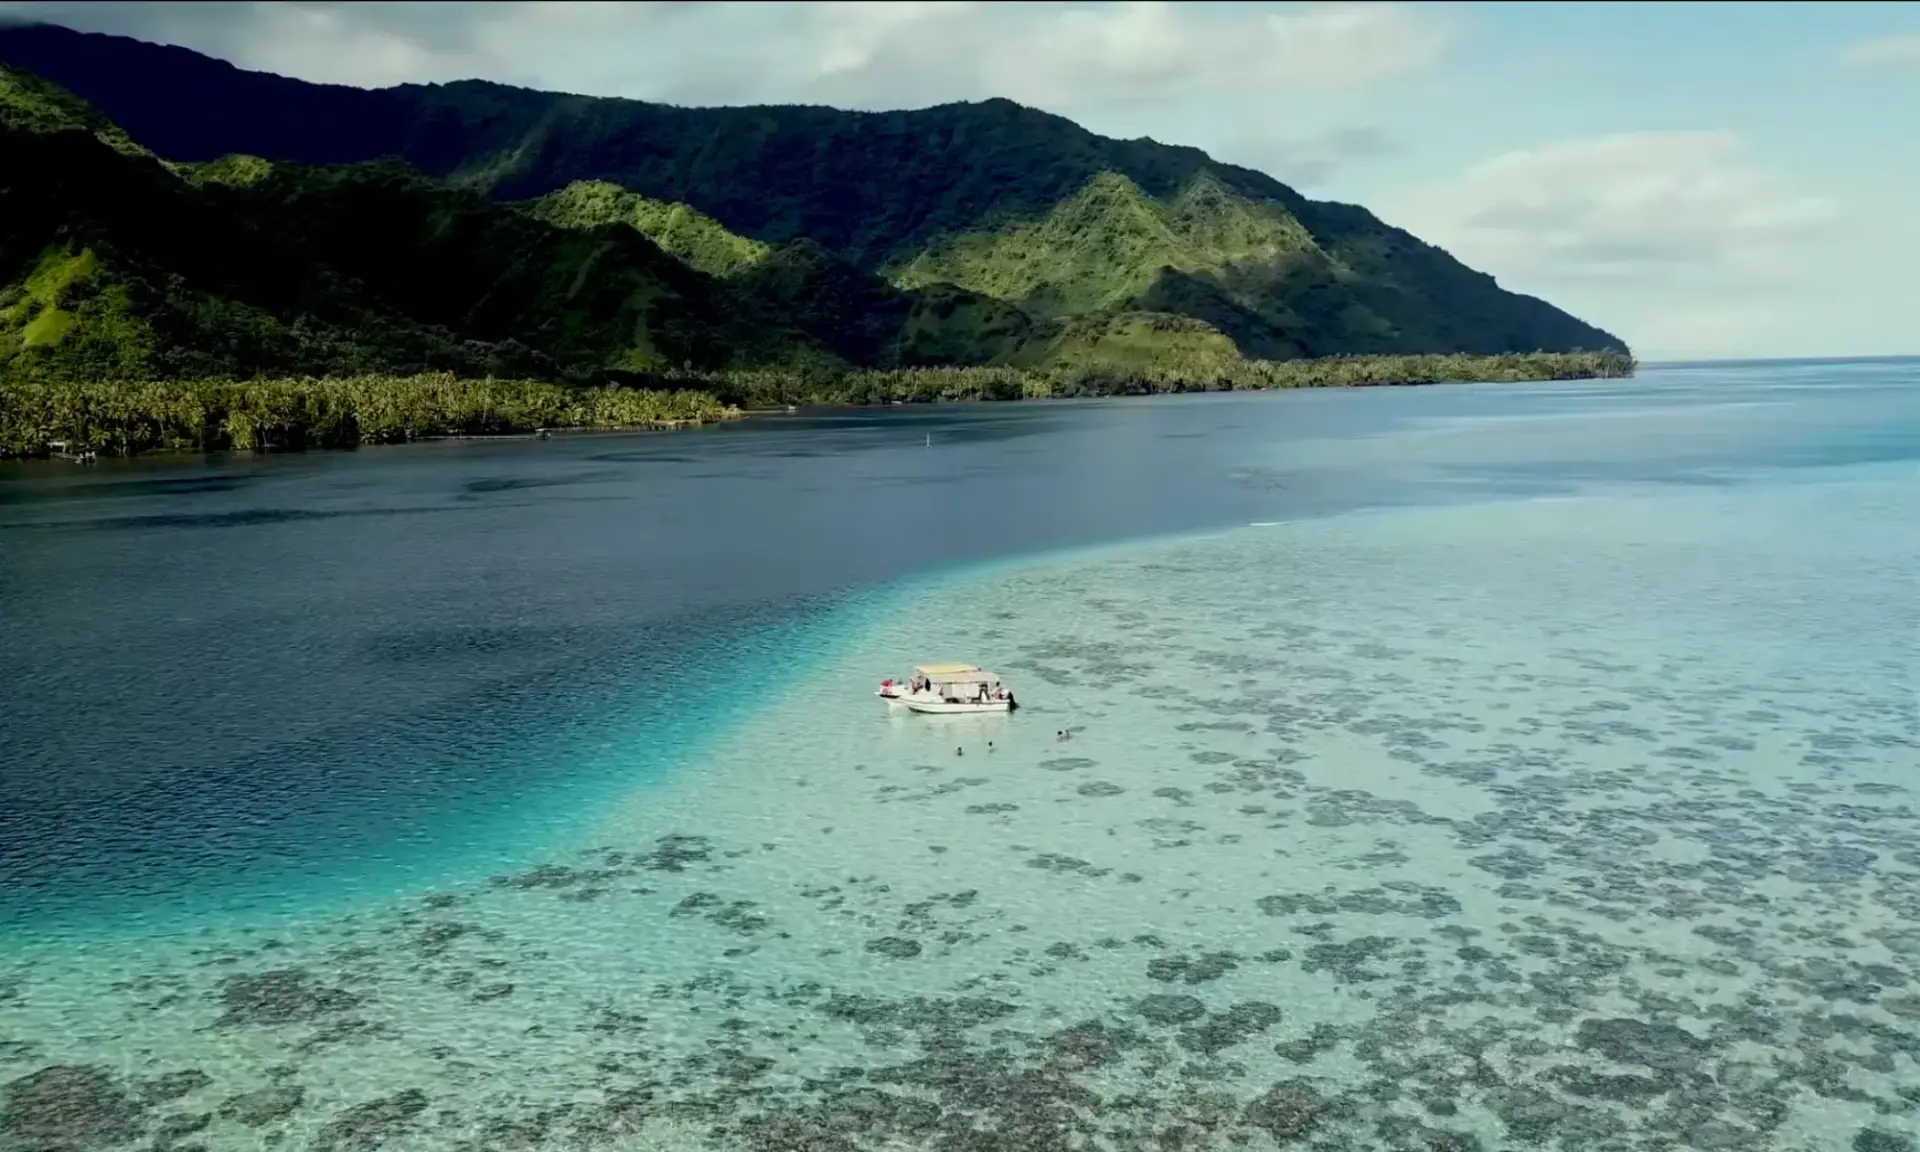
column 934, row 671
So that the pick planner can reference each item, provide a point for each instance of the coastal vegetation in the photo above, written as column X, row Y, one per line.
column 756, row 390
column 124, row 418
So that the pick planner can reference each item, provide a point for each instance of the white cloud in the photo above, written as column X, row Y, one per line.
column 1647, row 206
column 1308, row 161
column 1680, row 242
column 1882, row 53
column 1150, row 49
column 863, row 32
column 375, row 44
column 898, row 54
column 1352, row 44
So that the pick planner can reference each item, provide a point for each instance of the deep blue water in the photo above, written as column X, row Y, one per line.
column 249, row 675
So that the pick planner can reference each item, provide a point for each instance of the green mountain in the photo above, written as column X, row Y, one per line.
column 1247, row 268
column 1110, row 243
column 966, row 233
column 33, row 105
column 118, row 265
column 803, row 287
column 693, row 237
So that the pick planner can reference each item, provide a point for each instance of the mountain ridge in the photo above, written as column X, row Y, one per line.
column 125, row 266
column 878, row 190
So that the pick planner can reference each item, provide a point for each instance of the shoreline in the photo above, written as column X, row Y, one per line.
column 569, row 431
column 737, row 415
column 83, row 422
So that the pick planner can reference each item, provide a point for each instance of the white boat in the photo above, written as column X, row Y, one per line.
column 895, row 692
column 949, row 689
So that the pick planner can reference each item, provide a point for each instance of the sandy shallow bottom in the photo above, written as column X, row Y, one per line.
column 1585, row 822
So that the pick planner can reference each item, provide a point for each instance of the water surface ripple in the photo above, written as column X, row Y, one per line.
column 1539, row 771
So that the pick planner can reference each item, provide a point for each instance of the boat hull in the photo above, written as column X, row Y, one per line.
column 936, row 707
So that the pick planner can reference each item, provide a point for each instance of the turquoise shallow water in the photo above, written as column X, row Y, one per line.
column 1585, row 818
column 509, row 806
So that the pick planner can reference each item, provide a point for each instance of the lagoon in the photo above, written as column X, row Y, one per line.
column 1449, row 765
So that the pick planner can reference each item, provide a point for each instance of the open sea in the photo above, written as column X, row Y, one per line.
column 1452, row 768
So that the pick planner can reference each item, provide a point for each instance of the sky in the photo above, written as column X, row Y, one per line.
column 1705, row 180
